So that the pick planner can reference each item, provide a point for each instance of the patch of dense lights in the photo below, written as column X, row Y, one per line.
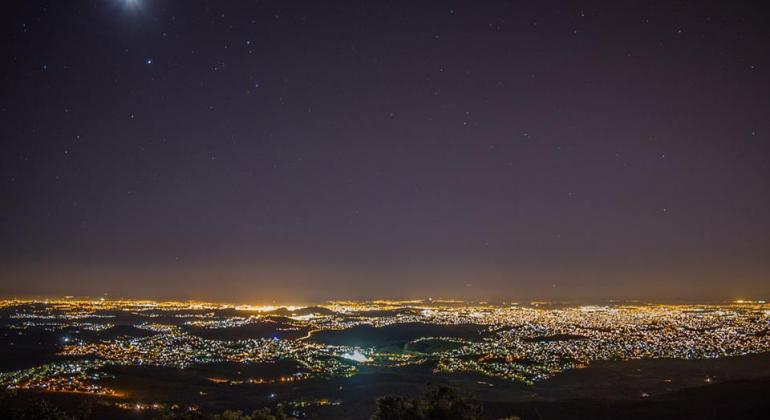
column 71, row 377
column 355, row 356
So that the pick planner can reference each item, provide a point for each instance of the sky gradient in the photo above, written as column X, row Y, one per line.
column 301, row 151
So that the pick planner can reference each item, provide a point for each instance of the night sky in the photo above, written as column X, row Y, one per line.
column 260, row 151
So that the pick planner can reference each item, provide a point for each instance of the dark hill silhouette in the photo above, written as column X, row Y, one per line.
column 256, row 330
column 397, row 334
column 310, row 310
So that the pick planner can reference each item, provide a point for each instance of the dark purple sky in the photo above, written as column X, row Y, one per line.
column 298, row 151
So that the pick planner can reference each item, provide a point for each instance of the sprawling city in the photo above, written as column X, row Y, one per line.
column 96, row 347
